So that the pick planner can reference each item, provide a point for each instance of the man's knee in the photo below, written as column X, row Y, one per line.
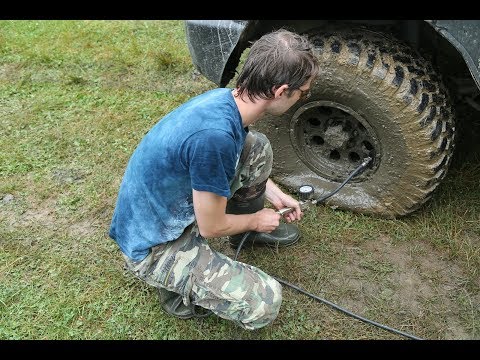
column 262, row 149
column 259, row 159
column 264, row 311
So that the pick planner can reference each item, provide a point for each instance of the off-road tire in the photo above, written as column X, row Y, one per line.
column 374, row 97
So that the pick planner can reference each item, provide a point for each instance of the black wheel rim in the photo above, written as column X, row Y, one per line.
column 332, row 140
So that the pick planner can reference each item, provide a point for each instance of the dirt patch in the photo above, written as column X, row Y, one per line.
column 45, row 215
column 10, row 72
column 67, row 176
column 84, row 228
column 408, row 276
column 41, row 214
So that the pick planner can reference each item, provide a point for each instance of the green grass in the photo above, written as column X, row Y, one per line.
column 76, row 97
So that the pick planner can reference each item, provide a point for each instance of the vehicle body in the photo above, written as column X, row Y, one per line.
column 387, row 90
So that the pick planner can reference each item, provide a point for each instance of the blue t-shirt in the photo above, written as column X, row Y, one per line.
column 196, row 146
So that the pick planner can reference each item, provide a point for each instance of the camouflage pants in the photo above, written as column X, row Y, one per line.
column 204, row 277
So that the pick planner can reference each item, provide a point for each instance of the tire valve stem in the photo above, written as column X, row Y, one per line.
column 365, row 162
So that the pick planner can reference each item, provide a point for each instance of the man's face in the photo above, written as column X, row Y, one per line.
column 286, row 101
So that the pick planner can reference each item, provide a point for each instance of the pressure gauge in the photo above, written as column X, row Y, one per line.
column 305, row 192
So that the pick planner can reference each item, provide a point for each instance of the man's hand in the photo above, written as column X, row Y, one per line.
column 281, row 200
column 267, row 220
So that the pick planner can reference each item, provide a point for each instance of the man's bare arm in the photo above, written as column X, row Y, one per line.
column 213, row 221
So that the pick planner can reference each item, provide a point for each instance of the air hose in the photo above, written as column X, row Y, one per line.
column 304, row 203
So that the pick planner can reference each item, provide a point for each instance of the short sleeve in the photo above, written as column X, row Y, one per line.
column 211, row 158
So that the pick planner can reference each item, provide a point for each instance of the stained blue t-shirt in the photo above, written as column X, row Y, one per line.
column 196, row 146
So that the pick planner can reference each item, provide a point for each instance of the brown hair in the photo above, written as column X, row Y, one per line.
column 277, row 58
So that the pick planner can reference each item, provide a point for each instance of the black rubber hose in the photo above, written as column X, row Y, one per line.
column 348, row 312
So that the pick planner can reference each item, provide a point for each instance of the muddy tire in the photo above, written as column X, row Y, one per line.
column 377, row 98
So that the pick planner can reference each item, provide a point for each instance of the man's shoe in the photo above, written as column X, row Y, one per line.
column 173, row 304
column 283, row 235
